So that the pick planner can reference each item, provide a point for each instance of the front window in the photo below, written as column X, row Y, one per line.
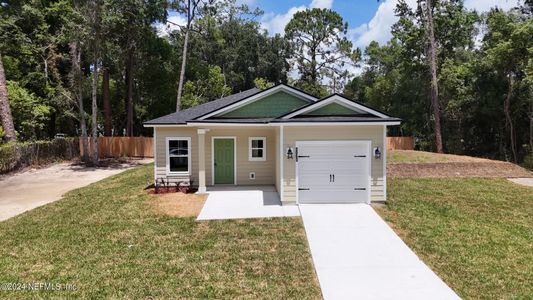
column 257, row 149
column 178, row 155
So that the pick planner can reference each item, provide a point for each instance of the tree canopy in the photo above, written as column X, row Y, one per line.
column 57, row 58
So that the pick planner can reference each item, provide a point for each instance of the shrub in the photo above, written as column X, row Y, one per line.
column 18, row 155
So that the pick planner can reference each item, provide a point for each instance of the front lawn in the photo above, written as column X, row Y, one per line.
column 476, row 234
column 109, row 242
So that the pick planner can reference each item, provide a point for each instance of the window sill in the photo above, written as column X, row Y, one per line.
column 178, row 173
column 256, row 159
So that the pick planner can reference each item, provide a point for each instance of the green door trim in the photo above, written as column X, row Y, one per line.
column 213, row 165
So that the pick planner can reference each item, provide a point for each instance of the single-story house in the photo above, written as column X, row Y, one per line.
column 329, row 150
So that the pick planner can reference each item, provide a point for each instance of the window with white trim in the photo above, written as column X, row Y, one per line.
column 257, row 149
column 179, row 155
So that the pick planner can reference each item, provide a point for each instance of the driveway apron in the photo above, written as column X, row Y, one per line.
column 358, row 256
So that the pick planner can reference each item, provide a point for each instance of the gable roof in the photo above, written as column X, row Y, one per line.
column 208, row 113
column 272, row 90
column 357, row 107
column 192, row 113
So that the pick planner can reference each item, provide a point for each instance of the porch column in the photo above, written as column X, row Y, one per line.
column 201, row 161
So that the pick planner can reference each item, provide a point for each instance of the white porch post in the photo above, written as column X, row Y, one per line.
column 201, row 161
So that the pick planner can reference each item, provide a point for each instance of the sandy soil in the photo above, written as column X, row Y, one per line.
column 31, row 188
column 178, row 204
column 415, row 157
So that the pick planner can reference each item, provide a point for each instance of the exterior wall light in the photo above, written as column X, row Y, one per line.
column 289, row 153
column 377, row 153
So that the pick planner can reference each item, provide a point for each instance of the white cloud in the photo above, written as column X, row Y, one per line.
column 247, row 2
column 275, row 23
column 379, row 27
column 486, row 5
column 164, row 29
column 321, row 4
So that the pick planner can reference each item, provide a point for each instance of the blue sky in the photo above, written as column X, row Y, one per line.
column 368, row 20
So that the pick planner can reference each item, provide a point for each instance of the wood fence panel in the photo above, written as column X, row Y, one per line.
column 120, row 146
column 400, row 143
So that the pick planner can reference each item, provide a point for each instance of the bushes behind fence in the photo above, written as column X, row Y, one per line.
column 18, row 155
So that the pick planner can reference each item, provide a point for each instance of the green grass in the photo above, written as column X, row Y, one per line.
column 105, row 239
column 476, row 234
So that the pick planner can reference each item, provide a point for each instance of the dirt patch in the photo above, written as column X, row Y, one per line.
column 415, row 157
column 178, row 204
column 486, row 168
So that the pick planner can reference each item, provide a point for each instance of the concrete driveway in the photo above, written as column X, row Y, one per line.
column 29, row 189
column 242, row 202
column 358, row 256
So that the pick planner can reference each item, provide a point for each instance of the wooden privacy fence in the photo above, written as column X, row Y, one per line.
column 120, row 146
column 400, row 143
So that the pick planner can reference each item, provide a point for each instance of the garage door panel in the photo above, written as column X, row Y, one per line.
column 340, row 151
column 349, row 163
column 323, row 179
column 333, row 167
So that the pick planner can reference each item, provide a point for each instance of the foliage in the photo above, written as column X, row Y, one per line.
column 320, row 49
column 476, row 57
column 23, row 154
column 31, row 114
column 262, row 83
column 473, row 78
column 206, row 88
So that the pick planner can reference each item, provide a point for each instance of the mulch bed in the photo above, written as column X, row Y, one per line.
column 177, row 204
column 458, row 169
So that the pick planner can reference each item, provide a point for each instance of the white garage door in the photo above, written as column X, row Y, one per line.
column 333, row 171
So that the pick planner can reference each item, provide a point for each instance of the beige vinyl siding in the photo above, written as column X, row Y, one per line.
column 264, row 170
column 161, row 151
column 277, row 161
column 374, row 133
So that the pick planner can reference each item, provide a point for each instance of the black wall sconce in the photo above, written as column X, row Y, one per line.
column 377, row 153
column 289, row 153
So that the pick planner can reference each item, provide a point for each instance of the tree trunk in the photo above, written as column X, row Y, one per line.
column 129, row 93
column 183, row 65
column 314, row 75
column 95, row 113
column 531, row 129
column 432, row 61
column 5, row 110
column 508, row 120
column 77, row 89
column 106, row 102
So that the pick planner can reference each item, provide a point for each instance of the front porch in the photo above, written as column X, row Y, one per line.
column 242, row 202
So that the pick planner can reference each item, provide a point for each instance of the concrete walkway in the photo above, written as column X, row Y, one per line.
column 22, row 191
column 242, row 202
column 522, row 181
column 358, row 256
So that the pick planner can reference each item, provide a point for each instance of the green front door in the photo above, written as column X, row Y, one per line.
column 224, row 161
